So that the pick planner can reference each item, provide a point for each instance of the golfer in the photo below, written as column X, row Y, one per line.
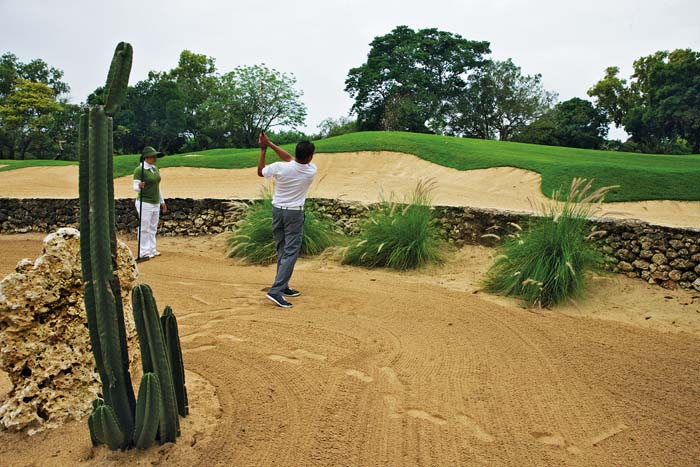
column 149, row 201
column 293, row 177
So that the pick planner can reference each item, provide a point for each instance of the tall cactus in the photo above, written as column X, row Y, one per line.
column 118, row 420
column 98, row 261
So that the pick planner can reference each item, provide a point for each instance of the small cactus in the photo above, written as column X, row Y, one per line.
column 148, row 411
column 172, row 342
column 151, row 336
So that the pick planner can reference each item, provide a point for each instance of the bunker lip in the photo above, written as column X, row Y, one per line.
column 361, row 176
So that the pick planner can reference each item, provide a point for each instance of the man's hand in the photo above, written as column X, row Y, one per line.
column 163, row 207
column 264, row 140
column 142, row 184
column 261, row 142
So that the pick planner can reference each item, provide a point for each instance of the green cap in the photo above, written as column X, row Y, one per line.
column 149, row 151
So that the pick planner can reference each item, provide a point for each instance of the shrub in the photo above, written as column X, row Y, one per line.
column 546, row 264
column 398, row 236
column 252, row 239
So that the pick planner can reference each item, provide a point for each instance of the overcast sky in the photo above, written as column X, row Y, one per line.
column 569, row 42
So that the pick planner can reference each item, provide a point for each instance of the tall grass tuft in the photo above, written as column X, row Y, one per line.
column 399, row 235
column 252, row 238
column 546, row 263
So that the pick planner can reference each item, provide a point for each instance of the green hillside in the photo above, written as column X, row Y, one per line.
column 640, row 176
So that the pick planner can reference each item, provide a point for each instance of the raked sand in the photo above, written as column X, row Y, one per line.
column 422, row 368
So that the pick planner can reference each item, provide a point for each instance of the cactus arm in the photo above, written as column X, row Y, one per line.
column 148, row 410
column 118, row 78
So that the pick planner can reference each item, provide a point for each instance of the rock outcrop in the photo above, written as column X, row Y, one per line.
column 44, row 341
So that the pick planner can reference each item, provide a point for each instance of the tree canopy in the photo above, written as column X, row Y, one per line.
column 498, row 100
column 660, row 105
column 574, row 123
column 191, row 107
column 411, row 77
column 254, row 98
column 36, row 121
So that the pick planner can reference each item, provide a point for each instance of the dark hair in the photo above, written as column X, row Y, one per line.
column 305, row 149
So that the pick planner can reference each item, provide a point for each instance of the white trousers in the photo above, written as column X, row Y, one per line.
column 149, row 225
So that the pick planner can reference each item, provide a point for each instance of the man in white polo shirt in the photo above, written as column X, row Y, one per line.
column 293, row 177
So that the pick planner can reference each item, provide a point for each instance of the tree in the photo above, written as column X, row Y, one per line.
column 499, row 100
column 254, row 98
column 154, row 114
column 37, row 70
column 330, row 127
column 196, row 79
column 574, row 123
column 26, row 114
column 660, row 105
column 410, row 79
column 33, row 113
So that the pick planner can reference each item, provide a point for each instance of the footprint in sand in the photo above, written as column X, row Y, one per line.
column 283, row 359
column 359, row 375
column 191, row 337
column 390, row 376
column 395, row 411
column 393, row 405
column 477, row 430
column 423, row 415
column 306, row 354
column 199, row 299
column 556, row 440
column 212, row 323
column 609, row 433
column 200, row 348
column 231, row 338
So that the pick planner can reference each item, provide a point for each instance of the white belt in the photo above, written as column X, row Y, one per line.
column 290, row 208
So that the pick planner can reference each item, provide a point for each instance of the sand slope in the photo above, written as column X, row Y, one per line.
column 352, row 176
column 420, row 369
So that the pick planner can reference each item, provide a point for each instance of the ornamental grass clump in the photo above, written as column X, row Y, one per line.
column 399, row 235
column 547, row 263
column 252, row 238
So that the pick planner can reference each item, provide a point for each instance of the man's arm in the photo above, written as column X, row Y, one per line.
column 284, row 155
column 261, row 158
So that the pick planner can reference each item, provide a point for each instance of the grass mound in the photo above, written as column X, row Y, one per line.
column 398, row 236
column 546, row 264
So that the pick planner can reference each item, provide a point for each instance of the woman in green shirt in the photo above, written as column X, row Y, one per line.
column 149, row 201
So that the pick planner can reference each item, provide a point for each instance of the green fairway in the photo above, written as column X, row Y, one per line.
column 640, row 176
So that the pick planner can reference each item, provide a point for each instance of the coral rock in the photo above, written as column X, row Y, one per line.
column 44, row 340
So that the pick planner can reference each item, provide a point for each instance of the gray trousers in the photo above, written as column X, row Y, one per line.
column 288, row 233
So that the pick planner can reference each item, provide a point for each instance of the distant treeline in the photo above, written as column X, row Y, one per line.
column 425, row 81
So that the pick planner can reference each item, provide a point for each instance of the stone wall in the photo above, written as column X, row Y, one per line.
column 660, row 255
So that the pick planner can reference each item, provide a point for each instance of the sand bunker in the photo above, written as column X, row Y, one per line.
column 373, row 367
column 352, row 176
